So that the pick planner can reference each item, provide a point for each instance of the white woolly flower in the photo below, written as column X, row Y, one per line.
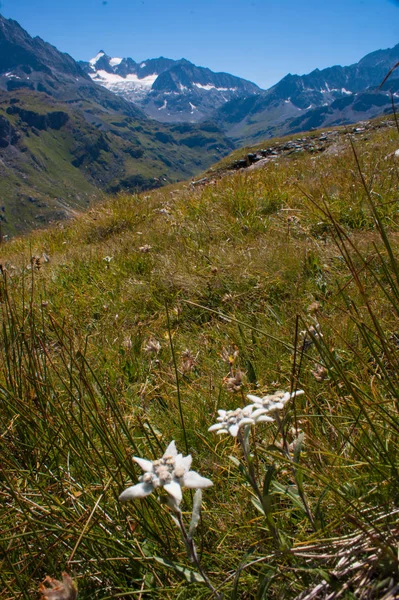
column 172, row 472
column 272, row 402
column 230, row 421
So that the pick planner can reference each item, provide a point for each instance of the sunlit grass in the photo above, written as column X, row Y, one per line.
column 127, row 338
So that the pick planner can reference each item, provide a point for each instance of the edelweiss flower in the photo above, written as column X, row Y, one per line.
column 172, row 472
column 152, row 346
column 272, row 402
column 58, row 590
column 230, row 421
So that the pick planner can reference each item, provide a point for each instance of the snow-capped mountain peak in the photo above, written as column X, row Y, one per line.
column 94, row 60
column 178, row 88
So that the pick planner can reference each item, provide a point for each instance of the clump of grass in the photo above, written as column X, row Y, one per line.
column 110, row 351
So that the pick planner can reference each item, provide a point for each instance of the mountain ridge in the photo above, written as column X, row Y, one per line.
column 177, row 91
column 165, row 89
column 271, row 112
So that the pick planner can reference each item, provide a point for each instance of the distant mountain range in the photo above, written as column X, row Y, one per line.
column 69, row 130
column 178, row 91
column 336, row 95
column 168, row 90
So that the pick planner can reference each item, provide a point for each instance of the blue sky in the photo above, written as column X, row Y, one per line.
column 261, row 40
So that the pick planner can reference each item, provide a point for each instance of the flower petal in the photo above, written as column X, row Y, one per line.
column 140, row 490
column 192, row 479
column 258, row 411
column 246, row 421
column 222, row 413
column 178, row 459
column 186, row 462
column 173, row 488
column 216, row 427
column 233, row 430
column 223, row 430
column 264, row 419
column 251, row 407
column 275, row 406
column 171, row 450
column 255, row 399
column 145, row 464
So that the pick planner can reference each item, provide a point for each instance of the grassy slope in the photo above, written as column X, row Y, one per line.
column 259, row 248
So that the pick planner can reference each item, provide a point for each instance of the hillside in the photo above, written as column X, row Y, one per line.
column 143, row 320
column 57, row 159
column 65, row 139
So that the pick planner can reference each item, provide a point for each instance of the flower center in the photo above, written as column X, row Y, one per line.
column 163, row 471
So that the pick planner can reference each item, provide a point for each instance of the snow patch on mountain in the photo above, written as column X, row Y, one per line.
column 209, row 87
column 112, row 78
column 131, row 86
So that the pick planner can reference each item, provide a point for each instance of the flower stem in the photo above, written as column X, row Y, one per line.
column 192, row 554
column 254, row 484
column 287, row 453
column 179, row 402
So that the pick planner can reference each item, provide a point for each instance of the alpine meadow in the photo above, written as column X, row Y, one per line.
column 199, row 377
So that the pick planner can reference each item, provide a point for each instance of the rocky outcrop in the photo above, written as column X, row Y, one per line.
column 313, row 143
column 51, row 120
column 8, row 135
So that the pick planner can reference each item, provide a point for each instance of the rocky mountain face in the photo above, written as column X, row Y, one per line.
column 33, row 64
column 26, row 61
column 348, row 93
column 64, row 139
column 344, row 111
column 168, row 90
